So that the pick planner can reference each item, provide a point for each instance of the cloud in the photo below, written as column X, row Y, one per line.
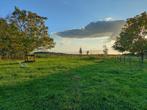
column 108, row 19
column 95, row 29
column 94, row 45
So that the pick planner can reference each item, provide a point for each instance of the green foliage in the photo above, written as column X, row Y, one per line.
column 133, row 36
column 73, row 83
column 9, row 41
column 22, row 32
column 118, row 45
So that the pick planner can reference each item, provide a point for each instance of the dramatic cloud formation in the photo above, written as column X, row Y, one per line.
column 95, row 29
column 92, row 37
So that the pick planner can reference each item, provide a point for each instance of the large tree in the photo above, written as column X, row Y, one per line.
column 32, row 28
column 22, row 32
column 133, row 36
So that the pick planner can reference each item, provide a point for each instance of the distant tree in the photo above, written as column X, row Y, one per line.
column 87, row 52
column 133, row 36
column 80, row 51
column 105, row 50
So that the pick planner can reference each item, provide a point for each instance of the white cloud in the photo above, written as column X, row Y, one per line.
column 108, row 19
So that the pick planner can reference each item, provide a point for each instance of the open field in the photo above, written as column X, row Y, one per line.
column 73, row 83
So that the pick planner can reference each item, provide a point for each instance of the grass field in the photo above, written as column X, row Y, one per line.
column 73, row 83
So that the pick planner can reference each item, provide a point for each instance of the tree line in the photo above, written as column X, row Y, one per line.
column 22, row 32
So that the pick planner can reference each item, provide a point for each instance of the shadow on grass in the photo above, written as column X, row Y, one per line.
column 88, row 87
column 7, row 64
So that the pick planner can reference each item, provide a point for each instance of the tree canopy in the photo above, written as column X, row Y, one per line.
column 133, row 36
column 22, row 32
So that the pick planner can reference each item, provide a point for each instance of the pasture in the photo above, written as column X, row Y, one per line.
column 73, row 83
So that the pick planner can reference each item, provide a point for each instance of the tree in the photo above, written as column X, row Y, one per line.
column 33, row 32
column 105, row 50
column 133, row 36
column 87, row 52
column 80, row 51
column 22, row 32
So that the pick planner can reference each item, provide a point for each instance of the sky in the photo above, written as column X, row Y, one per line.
column 74, row 14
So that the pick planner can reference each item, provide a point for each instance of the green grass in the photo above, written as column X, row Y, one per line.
column 73, row 83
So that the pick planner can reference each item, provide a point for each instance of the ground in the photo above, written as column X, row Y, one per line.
column 73, row 83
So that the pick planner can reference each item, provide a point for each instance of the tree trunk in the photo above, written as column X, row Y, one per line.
column 124, row 58
column 142, row 57
column 26, row 56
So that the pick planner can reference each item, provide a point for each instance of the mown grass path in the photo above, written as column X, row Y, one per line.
column 73, row 83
